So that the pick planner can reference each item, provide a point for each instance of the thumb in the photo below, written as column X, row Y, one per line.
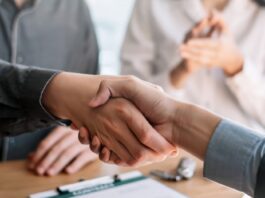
column 102, row 96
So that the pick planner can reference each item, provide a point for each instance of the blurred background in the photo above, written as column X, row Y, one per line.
column 111, row 21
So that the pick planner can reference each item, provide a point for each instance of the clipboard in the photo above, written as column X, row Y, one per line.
column 130, row 185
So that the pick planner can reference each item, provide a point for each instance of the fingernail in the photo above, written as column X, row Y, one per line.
column 83, row 138
column 103, row 154
column 69, row 170
column 51, row 172
column 104, row 151
column 117, row 161
column 94, row 141
column 40, row 171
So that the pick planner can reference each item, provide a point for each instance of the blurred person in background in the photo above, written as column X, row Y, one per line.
column 208, row 52
column 58, row 34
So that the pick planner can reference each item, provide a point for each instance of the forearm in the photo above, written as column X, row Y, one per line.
column 231, row 153
column 193, row 123
column 61, row 93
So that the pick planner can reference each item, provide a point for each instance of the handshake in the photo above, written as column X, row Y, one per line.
column 128, row 121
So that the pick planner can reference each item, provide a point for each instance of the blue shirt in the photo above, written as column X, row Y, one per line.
column 234, row 155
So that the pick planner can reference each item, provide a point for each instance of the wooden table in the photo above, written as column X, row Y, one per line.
column 16, row 181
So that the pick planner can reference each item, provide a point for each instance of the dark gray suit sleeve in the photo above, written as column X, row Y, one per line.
column 21, row 88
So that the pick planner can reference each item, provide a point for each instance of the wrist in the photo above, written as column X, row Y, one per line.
column 50, row 96
column 179, row 75
column 66, row 90
column 193, row 128
column 238, row 67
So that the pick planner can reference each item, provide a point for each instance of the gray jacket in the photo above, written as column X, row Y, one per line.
column 50, row 36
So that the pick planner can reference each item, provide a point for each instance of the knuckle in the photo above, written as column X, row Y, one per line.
column 161, row 158
column 69, row 152
column 43, row 145
column 121, row 107
column 131, row 78
column 109, row 125
column 159, row 88
column 145, row 137
column 59, row 163
column 140, row 155
column 133, row 162
column 56, row 149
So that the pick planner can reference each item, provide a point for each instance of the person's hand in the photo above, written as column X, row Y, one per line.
column 209, row 52
column 107, row 156
column 60, row 151
column 155, row 105
column 119, row 125
column 123, row 129
column 206, row 28
column 181, row 124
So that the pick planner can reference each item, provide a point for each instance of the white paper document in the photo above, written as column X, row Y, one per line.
column 128, row 185
column 146, row 188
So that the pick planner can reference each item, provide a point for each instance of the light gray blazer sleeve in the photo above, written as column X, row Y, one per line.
column 234, row 155
column 20, row 91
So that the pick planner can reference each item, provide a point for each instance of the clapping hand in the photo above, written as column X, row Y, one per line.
column 216, row 49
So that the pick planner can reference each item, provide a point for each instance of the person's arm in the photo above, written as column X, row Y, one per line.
column 232, row 153
column 65, row 96
column 247, row 87
column 119, row 124
column 20, row 90
column 233, row 156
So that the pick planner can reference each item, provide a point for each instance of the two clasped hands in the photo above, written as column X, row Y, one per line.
column 127, row 132
column 126, row 120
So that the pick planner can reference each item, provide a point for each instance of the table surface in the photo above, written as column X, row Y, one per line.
column 17, row 181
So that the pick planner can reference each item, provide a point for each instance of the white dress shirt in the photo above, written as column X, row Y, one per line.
column 150, row 51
